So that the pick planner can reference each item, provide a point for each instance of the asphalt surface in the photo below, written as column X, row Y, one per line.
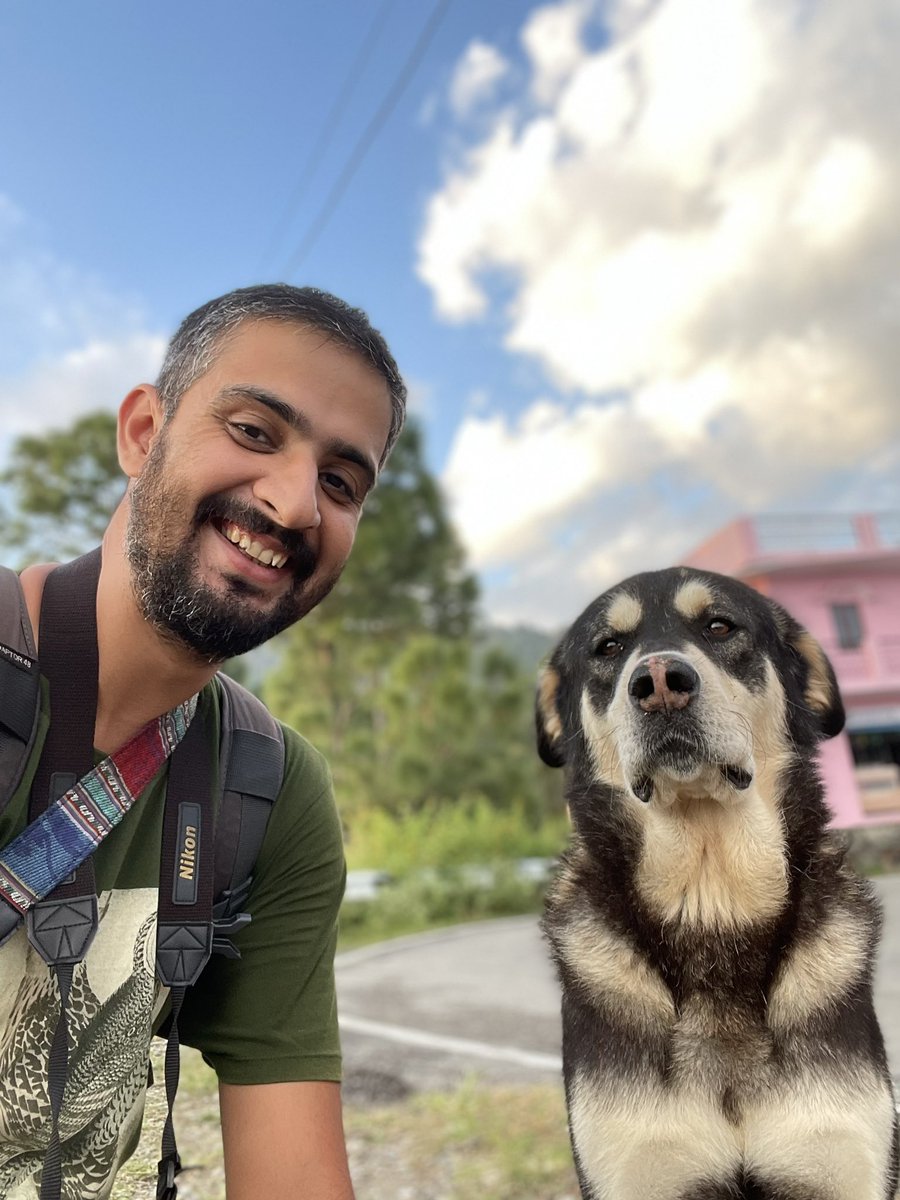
column 425, row 1012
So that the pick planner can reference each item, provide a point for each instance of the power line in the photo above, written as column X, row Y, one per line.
column 368, row 136
column 332, row 120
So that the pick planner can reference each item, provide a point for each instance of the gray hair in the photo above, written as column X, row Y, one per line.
column 197, row 341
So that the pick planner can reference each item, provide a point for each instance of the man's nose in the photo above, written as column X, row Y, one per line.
column 289, row 493
column 663, row 683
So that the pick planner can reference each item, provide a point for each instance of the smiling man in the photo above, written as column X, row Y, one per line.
column 248, row 465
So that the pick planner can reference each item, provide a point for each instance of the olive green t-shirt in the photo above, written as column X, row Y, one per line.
column 269, row 1016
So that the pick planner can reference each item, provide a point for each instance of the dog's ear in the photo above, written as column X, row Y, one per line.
column 821, row 692
column 549, row 726
column 818, row 682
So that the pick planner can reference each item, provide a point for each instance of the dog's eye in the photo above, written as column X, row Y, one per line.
column 719, row 627
column 608, row 648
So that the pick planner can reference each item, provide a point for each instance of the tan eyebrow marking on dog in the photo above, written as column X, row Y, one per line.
column 624, row 612
column 694, row 598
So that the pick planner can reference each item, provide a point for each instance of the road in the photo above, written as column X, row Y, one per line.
column 424, row 1012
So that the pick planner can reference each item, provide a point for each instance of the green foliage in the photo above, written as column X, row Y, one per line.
column 471, row 830
column 63, row 486
column 407, row 571
column 449, row 896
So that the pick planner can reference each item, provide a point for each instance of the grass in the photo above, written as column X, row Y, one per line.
column 434, row 898
column 496, row 1143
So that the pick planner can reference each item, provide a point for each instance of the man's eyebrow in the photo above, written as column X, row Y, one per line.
column 301, row 423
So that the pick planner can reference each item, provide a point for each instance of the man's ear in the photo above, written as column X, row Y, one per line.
column 547, row 722
column 820, row 687
column 140, row 420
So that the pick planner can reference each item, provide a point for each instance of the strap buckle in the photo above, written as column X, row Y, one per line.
column 167, row 1168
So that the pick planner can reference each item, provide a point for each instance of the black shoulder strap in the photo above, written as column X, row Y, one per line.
column 251, row 763
column 251, row 766
column 20, row 685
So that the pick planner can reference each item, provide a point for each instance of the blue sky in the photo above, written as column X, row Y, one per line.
column 637, row 260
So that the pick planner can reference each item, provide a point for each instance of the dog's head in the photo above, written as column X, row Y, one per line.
column 683, row 683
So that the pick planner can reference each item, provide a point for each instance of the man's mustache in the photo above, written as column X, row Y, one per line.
column 220, row 509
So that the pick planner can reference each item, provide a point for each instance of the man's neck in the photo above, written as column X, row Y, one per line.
column 142, row 674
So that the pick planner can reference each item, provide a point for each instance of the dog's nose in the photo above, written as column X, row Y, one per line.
column 663, row 683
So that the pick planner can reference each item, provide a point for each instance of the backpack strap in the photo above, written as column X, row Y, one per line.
column 20, row 686
column 190, row 926
column 251, row 765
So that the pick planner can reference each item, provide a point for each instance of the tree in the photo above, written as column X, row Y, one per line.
column 63, row 486
column 406, row 576
column 407, row 570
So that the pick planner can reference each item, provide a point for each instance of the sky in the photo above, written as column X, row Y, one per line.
column 637, row 259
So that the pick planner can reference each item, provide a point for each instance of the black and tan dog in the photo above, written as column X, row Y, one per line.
column 715, row 953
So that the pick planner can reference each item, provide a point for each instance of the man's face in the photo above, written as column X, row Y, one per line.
column 246, row 507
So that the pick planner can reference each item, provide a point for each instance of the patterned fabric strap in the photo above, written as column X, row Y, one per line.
column 51, row 848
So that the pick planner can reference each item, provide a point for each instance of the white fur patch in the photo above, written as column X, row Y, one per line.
column 825, row 1133
column 694, row 598
column 817, row 972
column 706, row 863
column 649, row 1143
column 610, row 969
column 624, row 612
column 601, row 736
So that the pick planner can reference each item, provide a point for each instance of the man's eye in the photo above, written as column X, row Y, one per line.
column 250, row 433
column 339, row 484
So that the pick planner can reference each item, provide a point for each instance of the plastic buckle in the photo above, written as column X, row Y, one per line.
column 167, row 1168
column 223, row 929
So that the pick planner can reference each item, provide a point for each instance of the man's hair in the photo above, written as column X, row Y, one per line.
column 199, row 337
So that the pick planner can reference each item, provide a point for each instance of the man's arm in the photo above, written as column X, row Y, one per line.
column 284, row 1140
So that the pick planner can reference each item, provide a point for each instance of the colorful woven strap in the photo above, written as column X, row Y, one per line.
column 59, row 840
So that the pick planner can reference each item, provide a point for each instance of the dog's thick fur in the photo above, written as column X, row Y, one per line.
column 715, row 952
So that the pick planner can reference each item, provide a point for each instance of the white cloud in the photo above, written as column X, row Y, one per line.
column 477, row 74
column 70, row 343
column 98, row 375
column 509, row 483
column 552, row 39
column 692, row 207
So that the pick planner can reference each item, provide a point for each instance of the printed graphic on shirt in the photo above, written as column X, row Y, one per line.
column 113, row 1001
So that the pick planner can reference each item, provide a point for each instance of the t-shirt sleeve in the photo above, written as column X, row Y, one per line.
column 271, row 1015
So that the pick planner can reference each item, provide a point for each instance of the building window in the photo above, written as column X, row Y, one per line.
column 876, row 755
column 848, row 625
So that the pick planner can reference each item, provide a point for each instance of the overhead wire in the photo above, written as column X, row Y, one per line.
column 367, row 138
column 333, row 118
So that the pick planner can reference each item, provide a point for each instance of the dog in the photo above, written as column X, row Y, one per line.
column 714, row 949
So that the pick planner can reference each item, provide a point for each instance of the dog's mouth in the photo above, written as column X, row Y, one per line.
column 698, row 777
column 685, row 758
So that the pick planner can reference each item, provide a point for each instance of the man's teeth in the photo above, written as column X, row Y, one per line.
column 253, row 548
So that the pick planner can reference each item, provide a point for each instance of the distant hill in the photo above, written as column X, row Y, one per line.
column 527, row 645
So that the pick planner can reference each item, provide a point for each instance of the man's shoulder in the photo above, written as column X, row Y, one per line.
column 305, row 767
column 301, row 758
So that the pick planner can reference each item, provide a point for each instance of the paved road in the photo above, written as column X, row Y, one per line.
column 424, row 1012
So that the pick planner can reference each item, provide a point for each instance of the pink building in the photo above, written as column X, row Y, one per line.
column 839, row 575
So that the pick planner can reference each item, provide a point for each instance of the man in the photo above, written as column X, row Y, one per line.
column 248, row 464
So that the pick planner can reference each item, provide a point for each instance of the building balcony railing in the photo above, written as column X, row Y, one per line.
column 770, row 543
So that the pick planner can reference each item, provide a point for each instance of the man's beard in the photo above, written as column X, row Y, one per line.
column 215, row 624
